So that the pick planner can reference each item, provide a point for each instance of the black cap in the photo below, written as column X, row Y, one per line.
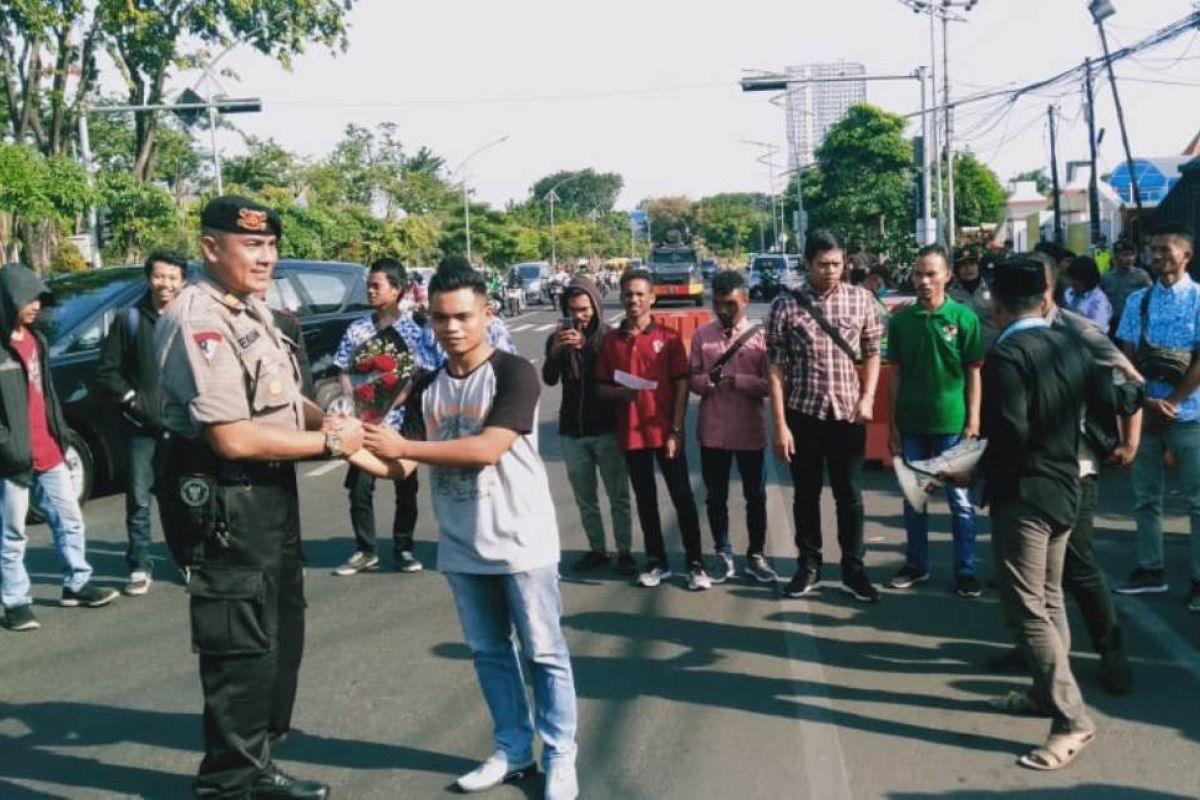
column 234, row 214
column 1020, row 277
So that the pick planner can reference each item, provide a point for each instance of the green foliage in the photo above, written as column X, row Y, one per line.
column 729, row 224
column 978, row 196
column 1038, row 176
column 265, row 164
column 67, row 258
column 141, row 218
column 862, row 185
column 580, row 192
column 669, row 214
column 34, row 187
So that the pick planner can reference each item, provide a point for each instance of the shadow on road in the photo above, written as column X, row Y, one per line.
column 1092, row 791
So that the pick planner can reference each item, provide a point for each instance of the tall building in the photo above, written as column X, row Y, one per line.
column 812, row 108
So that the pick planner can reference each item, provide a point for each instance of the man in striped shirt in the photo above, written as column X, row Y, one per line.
column 823, row 345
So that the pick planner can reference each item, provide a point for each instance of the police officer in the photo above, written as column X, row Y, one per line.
column 235, row 421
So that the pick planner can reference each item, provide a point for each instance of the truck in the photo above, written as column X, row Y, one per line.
column 675, row 266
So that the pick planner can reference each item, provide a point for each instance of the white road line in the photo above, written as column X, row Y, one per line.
column 546, row 327
column 324, row 469
column 519, row 328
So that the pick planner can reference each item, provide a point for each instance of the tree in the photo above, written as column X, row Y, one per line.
column 729, row 224
column 862, row 185
column 148, row 40
column 580, row 191
column 669, row 214
column 38, row 196
column 1038, row 176
column 266, row 163
column 978, row 196
column 141, row 217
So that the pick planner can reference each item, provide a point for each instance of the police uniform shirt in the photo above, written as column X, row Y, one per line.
column 223, row 360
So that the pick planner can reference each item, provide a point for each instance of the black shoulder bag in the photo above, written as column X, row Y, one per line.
column 714, row 373
column 826, row 326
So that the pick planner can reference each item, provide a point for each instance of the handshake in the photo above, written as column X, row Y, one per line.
column 354, row 435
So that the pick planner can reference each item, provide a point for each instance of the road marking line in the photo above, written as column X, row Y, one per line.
column 325, row 469
column 519, row 328
column 1162, row 633
column 824, row 760
column 546, row 327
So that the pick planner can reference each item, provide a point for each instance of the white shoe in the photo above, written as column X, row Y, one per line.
column 493, row 772
column 561, row 781
column 698, row 579
column 653, row 577
column 139, row 582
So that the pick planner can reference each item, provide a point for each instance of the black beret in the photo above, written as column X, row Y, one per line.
column 234, row 214
column 1020, row 277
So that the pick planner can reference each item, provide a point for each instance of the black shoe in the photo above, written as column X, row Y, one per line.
column 1010, row 660
column 88, row 595
column 967, row 586
column 1116, row 675
column 405, row 561
column 907, row 577
column 276, row 784
column 1143, row 581
column 592, row 559
column 21, row 618
column 805, row 582
column 859, row 586
column 625, row 564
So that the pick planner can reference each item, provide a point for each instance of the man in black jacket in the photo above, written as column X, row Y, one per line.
column 33, row 439
column 128, row 376
column 587, row 425
column 1036, row 382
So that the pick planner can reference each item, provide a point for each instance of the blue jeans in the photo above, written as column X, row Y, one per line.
column 54, row 496
column 1149, row 482
column 137, row 501
column 489, row 608
column 915, row 447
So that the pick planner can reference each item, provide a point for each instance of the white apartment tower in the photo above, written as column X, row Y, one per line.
column 812, row 108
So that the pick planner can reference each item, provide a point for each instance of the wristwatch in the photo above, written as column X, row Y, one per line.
column 676, row 431
column 333, row 445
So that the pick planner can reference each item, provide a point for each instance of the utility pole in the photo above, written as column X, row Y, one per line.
column 552, row 198
column 462, row 168
column 1058, row 232
column 1100, row 11
column 926, row 200
column 949, row 112
column 936, row 144
column 1093, row 181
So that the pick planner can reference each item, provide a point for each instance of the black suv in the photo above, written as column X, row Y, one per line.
column 326, row 296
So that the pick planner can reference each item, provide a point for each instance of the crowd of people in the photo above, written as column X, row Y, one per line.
column 1066, row 368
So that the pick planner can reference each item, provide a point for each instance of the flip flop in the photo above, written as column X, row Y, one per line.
column 1019, row 703
column 1060, row 749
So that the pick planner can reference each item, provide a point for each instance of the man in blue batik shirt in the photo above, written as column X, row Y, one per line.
column 385, row 286
column 1161, row 324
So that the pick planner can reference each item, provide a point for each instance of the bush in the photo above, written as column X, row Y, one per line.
column 67, row 258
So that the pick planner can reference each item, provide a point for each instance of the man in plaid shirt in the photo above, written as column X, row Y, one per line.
column 822, row 399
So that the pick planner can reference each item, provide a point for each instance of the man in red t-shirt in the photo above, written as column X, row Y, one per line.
column 32, row 436
column 650, row 423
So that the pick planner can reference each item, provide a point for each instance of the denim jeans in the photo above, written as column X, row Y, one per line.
column 137, row 501
column 54, row 496
column 490, row 607
column 839, row 446
column 583, row 456
column 915, row 447
column 715, row 465
column 362, row 511
column 679, row 487
column 1183, row 440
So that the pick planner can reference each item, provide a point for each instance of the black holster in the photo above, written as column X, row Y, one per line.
column 185, row 483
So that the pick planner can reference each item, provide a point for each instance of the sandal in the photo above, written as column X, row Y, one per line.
column 1060, row 749
column 1020, row 703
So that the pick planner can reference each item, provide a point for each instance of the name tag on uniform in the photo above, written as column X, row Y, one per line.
column 250, row 338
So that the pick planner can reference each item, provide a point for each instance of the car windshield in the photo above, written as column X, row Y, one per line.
column 673, row 257
column 768, row 263
column 78, row 296
column 529, row 272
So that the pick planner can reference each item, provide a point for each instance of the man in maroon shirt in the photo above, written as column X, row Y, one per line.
column 32, row 437
column 650, row 423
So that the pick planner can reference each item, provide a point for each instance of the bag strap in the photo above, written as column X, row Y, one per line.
column 1146, row 314
column 132, row 317
column 826, row 326
column 733, row 348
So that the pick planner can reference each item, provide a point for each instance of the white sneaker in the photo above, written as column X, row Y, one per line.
column 493, row 772
column 698, row 579
column 139, row 582
column 561, row 781
column 653, row 577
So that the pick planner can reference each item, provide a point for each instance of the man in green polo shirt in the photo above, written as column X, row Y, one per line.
column 936, row 351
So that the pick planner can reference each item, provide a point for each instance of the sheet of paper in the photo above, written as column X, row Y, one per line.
column 634, row 382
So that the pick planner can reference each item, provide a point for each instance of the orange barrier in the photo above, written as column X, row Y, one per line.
column 878, row 428
column 685, row 322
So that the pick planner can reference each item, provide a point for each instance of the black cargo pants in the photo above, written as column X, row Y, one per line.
column 247, row 616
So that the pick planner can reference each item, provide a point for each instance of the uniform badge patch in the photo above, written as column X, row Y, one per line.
column 194, row 492
column 252, row 220
column 949, row 332
column 658, row 346
column 207, row 341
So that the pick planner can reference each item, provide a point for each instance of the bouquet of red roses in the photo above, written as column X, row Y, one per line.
column 379, row 372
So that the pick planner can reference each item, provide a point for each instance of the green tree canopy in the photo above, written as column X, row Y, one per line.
column 1038, row 176
column 580, row 191
column 730, row 224
column 978, row 196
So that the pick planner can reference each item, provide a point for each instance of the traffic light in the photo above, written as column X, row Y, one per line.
column 103, row 228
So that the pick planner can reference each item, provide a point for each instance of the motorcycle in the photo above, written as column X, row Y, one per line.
column 768, row 286
column 514, row 300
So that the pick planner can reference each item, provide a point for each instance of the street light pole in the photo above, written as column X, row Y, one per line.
column 949, row 112
column 461, row 168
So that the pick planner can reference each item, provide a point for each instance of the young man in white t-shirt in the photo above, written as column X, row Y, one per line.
column 474, row 422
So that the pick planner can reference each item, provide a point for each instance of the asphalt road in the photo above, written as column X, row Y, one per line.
column 736, row 692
